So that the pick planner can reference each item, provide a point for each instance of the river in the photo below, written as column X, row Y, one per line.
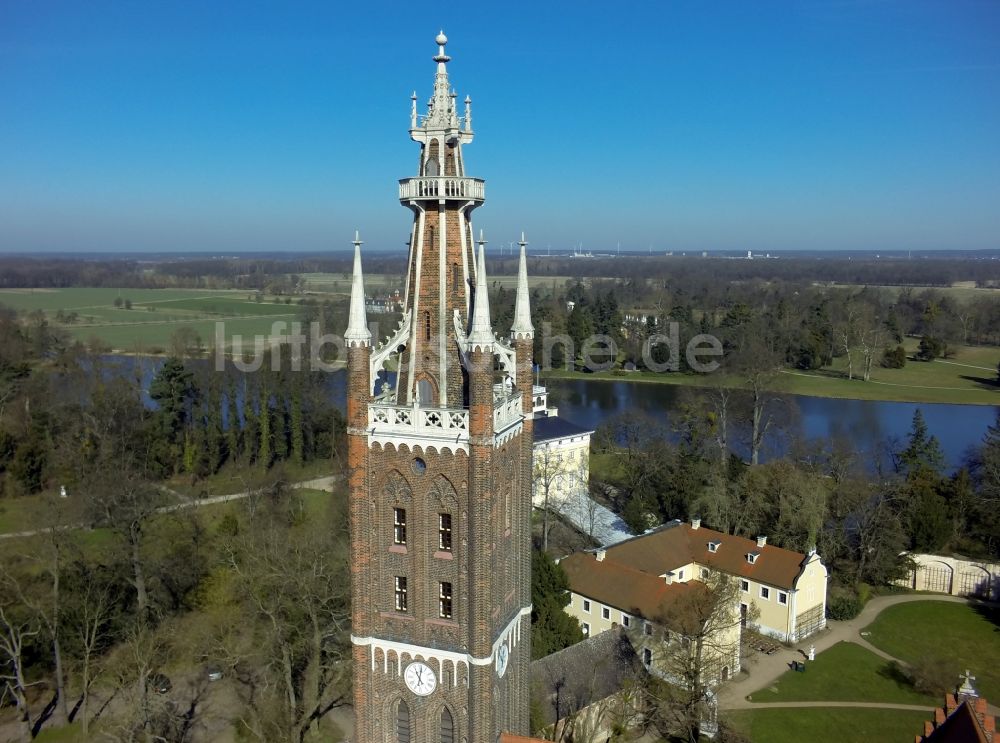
column 869, row 425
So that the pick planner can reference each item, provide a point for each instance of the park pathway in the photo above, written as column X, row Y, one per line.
column 317, row 483
column 766, row 669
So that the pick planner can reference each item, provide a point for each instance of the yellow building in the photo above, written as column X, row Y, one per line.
column 561, row 461
column 633, row 581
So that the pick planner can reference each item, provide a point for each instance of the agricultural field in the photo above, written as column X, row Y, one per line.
column 961, row 291
column 380, row 283
column 155, row 314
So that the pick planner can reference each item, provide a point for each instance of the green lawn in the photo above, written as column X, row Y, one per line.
column 155, row 315
column 967, row 378
column 844, row 673
column 844, row 725
column 946, row 630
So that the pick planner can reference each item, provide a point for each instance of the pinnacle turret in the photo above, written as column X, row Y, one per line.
column 522, row 327
column 357, row 333
column 481, row 333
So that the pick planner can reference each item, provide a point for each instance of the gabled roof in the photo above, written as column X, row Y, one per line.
column 552, row 427
column 965, row 721
column 674, row 545
column 621, row 586
column 584, row 673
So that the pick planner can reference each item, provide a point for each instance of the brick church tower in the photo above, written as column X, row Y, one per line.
column 440, row 472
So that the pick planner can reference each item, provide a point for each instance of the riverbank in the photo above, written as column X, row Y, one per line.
column 967, row 378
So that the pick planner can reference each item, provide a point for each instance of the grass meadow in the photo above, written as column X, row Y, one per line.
column 156, row 314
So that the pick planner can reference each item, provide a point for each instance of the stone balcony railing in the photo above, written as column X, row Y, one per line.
column 506, row 410
column 442, row 187
column 417, row 421
column 445, row 423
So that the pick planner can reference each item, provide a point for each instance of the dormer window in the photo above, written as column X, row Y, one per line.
column 714, row 546
column 752, row 557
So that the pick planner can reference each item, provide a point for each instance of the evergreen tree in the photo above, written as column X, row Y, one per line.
column 296, row 424
column 215, row 439
column 234, row 431
column 552, row 628
column 251, row 426
column 923, row 450
column 264, row 417
column 174, row 391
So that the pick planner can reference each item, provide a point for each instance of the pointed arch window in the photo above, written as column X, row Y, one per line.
column 447, row 727
column 402, row 722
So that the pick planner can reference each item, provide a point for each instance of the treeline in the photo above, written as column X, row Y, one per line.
column 695, row 271
column 660, row 272
column 195, row 420
column 861, row 515
column 763, row 327
column 250, row 273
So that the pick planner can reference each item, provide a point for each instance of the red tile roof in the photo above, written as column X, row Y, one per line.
column 620, row 586
column 675, row 545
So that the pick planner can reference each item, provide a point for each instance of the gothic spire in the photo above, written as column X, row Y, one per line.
column 481, row 333
column 357, row 325
column 522, row 327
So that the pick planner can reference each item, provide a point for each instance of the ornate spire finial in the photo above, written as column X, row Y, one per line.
column 481, row 333
column 357, row 333
column 967, row 689
column 522, row 327
column 441, row 57
column 413, row 110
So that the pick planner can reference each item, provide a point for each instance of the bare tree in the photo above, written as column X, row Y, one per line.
column 297, row 591
column 546, row 476
column 92, row 605
column 758, row 362
column 703, row 631
column 845, row 330
column 720, row 399
column 18, row 629
column 871, row 339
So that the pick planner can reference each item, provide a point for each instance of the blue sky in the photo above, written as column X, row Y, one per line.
column 685, row 125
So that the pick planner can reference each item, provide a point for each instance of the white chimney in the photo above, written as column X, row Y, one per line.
column 600, row 555
column 761, row 541
column 695, row 523
column 669, row 578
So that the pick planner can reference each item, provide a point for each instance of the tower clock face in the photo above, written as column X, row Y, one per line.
column 420, row 679
column 502, row 656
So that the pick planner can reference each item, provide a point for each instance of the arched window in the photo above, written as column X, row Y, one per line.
column 402, row 722
column 426, row 391
column 447, row 727
column 433, row 168
column 456, row 277
column 427, row 326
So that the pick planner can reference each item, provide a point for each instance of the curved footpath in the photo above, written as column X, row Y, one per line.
column 766, row 669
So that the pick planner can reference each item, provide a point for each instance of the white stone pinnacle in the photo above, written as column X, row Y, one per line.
column 357, row 324
column 481, row 333
column 522, row 327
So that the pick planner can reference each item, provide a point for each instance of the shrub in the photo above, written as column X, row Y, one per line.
column 843, row 607
column 933, row 675
column 894, row 358
column 864, row 593
column 931, row 348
